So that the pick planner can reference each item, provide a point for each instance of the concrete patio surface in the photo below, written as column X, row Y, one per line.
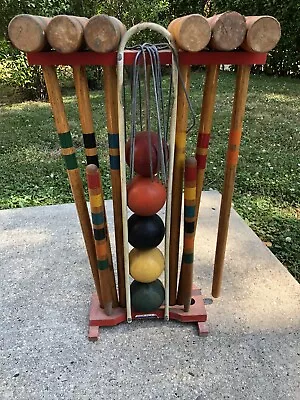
column 252, row 351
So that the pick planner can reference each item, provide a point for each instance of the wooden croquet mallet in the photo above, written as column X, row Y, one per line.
column 103, row 34
column 27, row 32
column 68, row 152
column 262, row 28
column 65, row 33
column 34, row 27
column 187, row 264
column 182, row 29
column 102, row 249
column 228, row 32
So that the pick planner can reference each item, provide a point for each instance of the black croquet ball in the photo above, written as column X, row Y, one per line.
column 145, row 232
column 147, row 297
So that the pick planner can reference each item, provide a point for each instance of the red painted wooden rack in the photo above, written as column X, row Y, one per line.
column 197, row 313
column 200, row 58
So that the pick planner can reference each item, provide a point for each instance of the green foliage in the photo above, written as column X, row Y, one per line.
column 285, row 58
column 15, row 72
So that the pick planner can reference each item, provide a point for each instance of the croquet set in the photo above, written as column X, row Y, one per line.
column 147, row 105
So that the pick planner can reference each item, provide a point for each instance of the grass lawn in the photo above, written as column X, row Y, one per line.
column 267, row 189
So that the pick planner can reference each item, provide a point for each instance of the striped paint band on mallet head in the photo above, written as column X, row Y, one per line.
column 27, row 32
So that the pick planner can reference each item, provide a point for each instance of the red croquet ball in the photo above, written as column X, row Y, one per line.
column 144, row 196
column 142, row 155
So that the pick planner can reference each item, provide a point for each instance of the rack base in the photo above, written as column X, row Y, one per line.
column 197, row 314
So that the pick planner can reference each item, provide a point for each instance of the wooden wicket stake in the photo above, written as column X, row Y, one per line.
column 179, row 159
column 86, row 121
column 186, row 274
column 111, row 105
column 99, row 225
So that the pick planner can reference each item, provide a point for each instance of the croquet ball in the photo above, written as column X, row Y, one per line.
column 142, row 155
column 145, row 232
column 147, row 297
column 145, row 196
column 146, row 265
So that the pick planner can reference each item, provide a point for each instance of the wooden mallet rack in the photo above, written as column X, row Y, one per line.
column 73, row 37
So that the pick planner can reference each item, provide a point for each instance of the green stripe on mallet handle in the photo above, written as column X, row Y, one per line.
column 187, row 264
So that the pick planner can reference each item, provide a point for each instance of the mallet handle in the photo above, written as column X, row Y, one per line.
column 207, row 112
column 177, row 182
column 238, row 112
column 111, row 105
column 68, row 152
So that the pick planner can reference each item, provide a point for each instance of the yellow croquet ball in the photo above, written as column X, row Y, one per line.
column 146, row 265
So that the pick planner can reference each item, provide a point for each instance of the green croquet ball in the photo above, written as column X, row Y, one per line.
column 147, row 297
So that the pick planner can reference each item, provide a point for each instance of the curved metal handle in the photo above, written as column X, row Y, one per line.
column 121, row 119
